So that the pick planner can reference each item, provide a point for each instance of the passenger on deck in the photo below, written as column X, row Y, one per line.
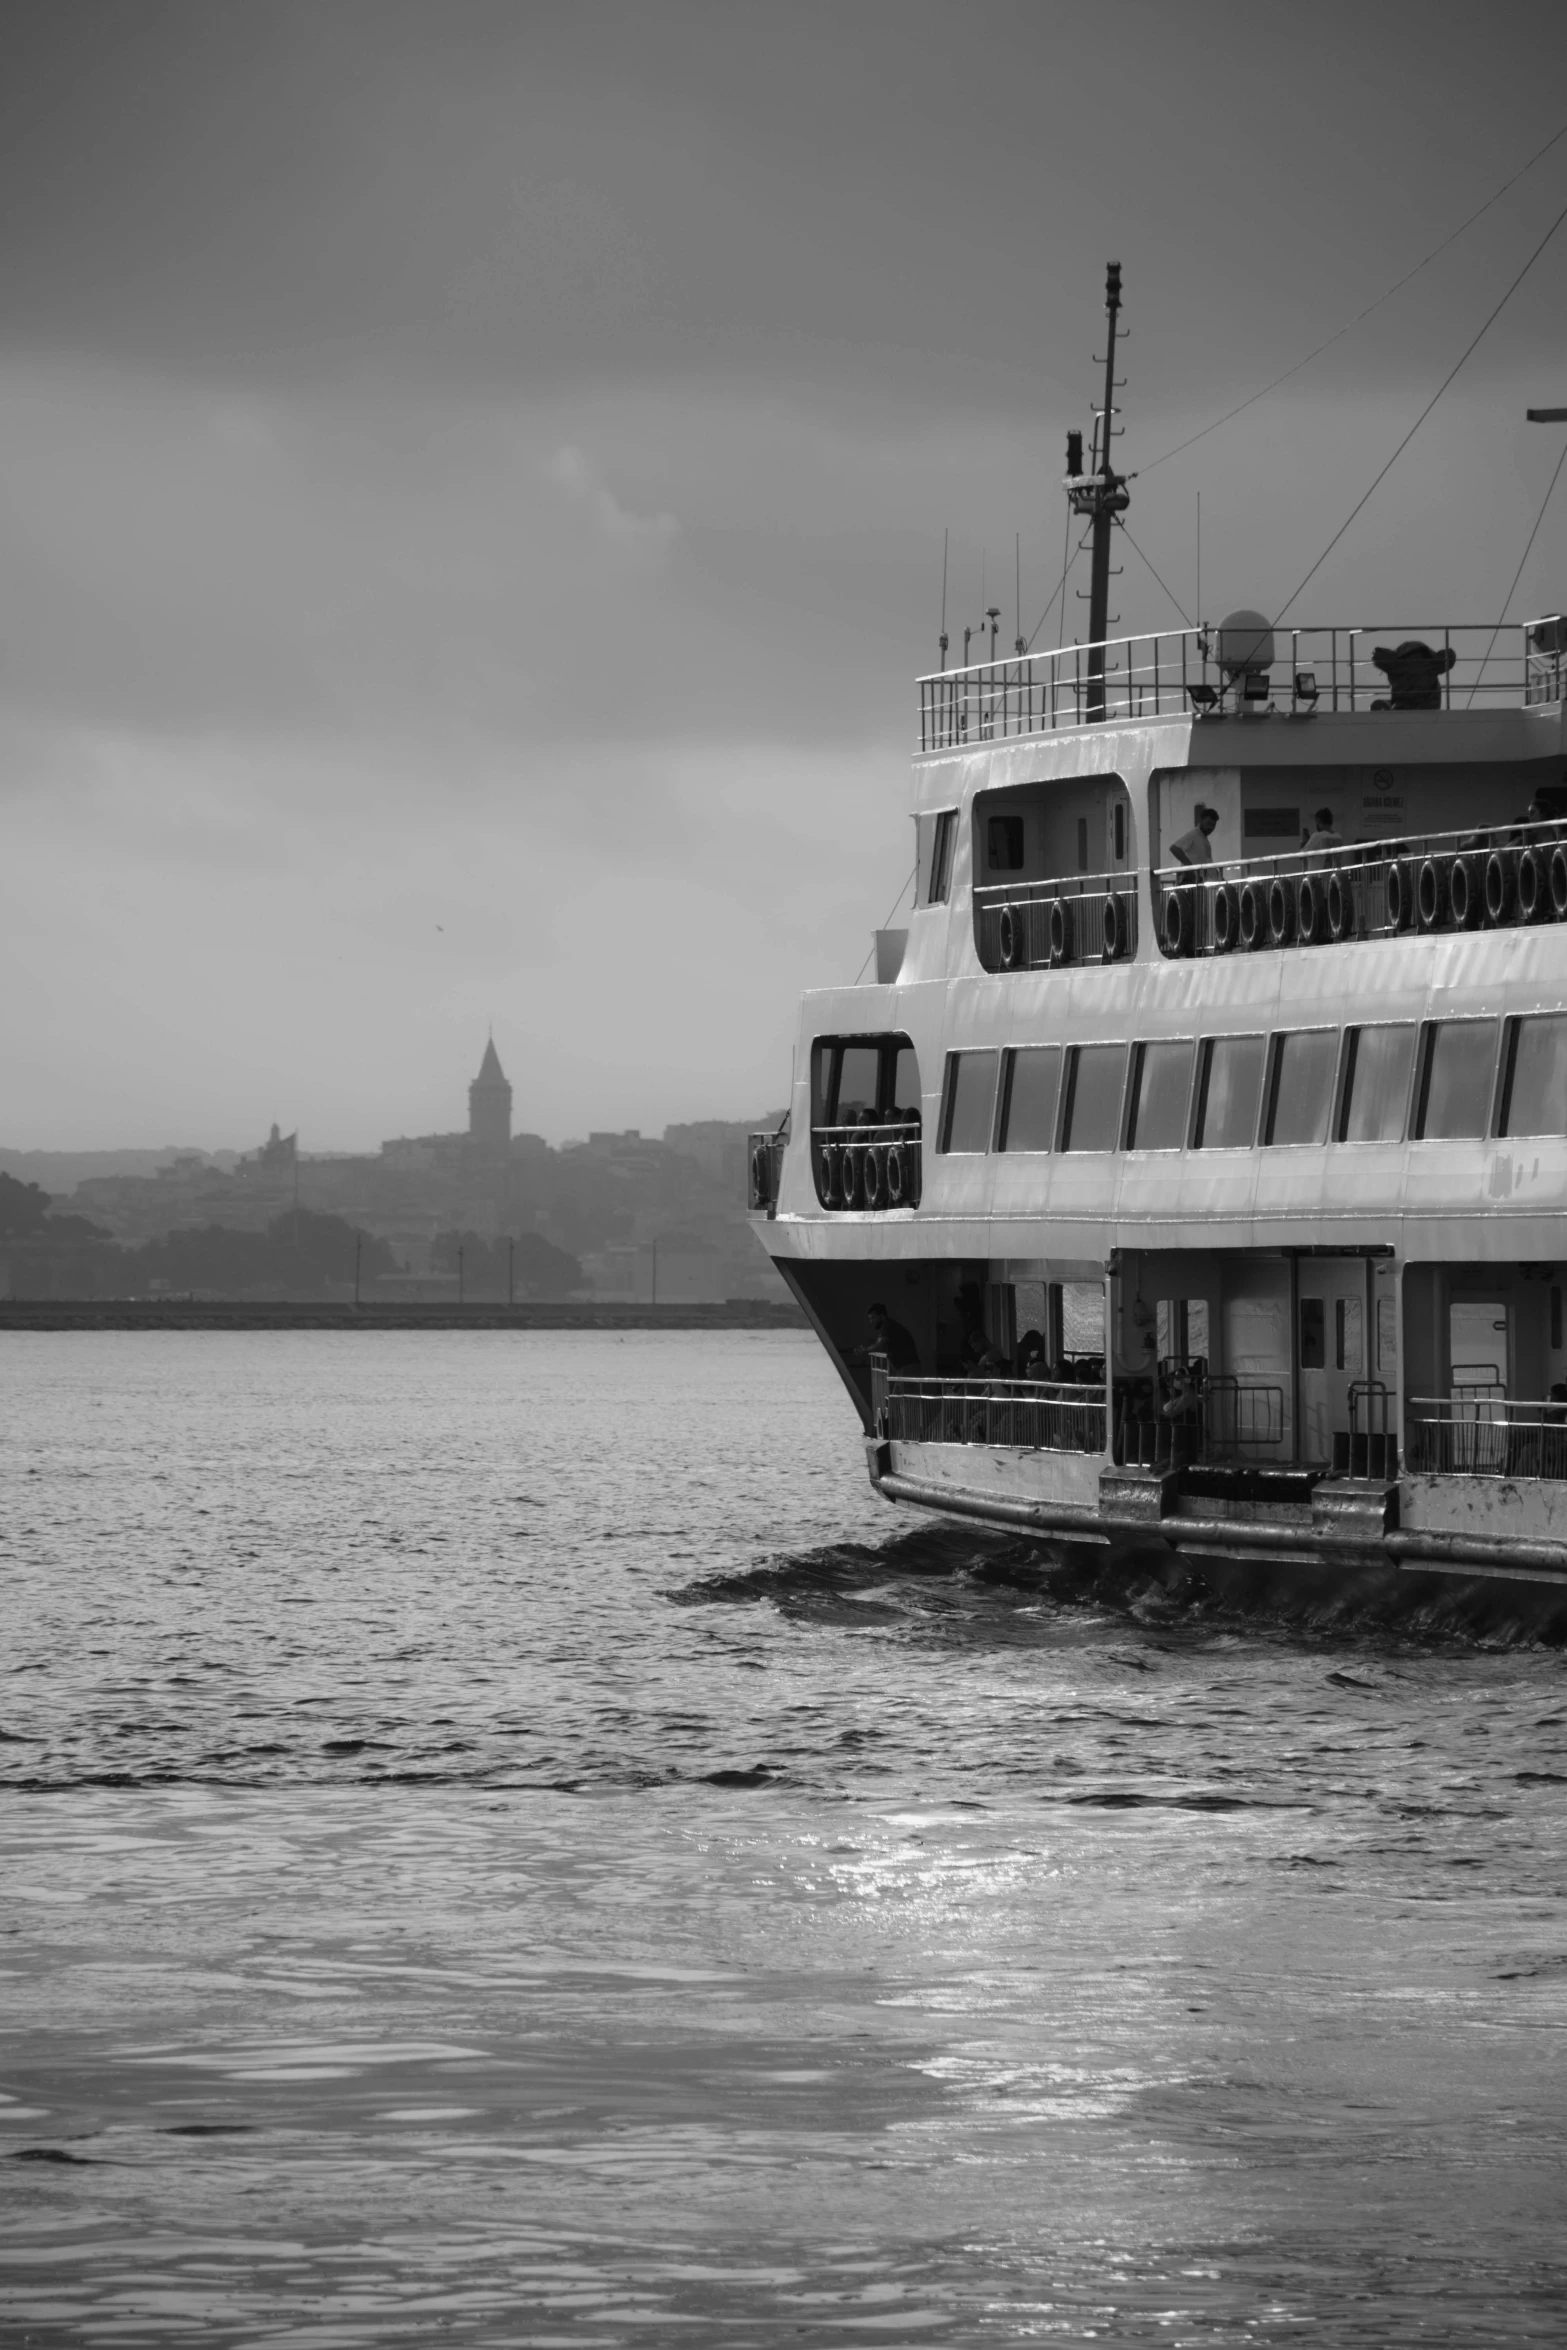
column 1192, row 847
column 887, row 1338
column 1324, row 837
column 982, row 1360
column 1031, row 1362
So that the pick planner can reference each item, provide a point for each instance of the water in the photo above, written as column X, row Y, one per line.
column 504, row 1839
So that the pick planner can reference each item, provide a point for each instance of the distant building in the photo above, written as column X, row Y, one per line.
column 489, row 1107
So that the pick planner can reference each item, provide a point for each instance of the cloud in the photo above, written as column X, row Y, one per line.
column 643, row 535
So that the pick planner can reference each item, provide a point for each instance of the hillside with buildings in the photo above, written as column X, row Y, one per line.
column 480, row 1212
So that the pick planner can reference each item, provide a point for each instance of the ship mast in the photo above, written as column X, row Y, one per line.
column 1099, row 495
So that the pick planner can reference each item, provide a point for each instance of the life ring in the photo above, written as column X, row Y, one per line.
column 1559, row 881
column 1225, row 918
column 828, row 1180
column 1117, row 930
column 1178, row 923
column 1431, row 894
column 1401, row 894
column 892, row 1174
column 1311, row 913
column 1340, row 908
column 871, row 1166
column 1013, row 944
column 1062, row 929
column 1281, row 911
column 1500, row 889
column 1253, row 916
column 1465, row 893
column 761, row 1176
column 852, row 1165
column 1533, row 885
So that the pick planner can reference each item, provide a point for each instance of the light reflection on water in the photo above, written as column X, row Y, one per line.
column 505, row 1840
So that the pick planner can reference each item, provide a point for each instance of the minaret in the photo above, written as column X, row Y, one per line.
column 489, row 1107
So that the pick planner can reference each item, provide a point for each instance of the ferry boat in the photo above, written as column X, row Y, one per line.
column 1188, row 1185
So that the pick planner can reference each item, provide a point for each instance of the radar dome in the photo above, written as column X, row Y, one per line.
column 1245, row 644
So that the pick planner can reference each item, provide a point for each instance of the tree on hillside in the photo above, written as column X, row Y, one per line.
column 23, row 1207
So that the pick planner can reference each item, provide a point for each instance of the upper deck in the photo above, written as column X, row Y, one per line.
column 1311, row 673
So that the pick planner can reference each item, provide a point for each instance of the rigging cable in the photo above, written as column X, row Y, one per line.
column 1059, row 586
column 1169, row 591
column 1517, row 575
column 1434, row 255
column 1469, row 349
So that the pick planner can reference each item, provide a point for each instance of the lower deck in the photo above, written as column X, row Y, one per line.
column 1311, row 1403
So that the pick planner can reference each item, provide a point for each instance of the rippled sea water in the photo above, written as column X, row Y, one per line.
column 503, row 1839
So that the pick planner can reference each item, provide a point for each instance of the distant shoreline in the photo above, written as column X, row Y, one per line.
column 167, row 1313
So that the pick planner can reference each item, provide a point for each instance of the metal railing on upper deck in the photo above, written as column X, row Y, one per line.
column 1479, row 664
column 868, row 1165
column 1503, row 878
column 1043, row 925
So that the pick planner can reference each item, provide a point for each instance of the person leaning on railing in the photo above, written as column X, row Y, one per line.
column 1192, row 848
column 888, row 1338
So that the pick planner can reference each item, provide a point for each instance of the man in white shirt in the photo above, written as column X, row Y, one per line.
column 1192, row 847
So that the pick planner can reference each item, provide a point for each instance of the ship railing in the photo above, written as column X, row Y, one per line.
column 1502, row 876
column 1474, row 1435
column 764, row 1167
column 872, row 1166
column 1240, row 1418
column 1047, row 925
column 1473, row 664
column 1369, row 1446
column 1220, row 1420
column 1020, row 1415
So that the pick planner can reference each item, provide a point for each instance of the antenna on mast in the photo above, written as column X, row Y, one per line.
column 1018, row 646
column 1100, row 496
column 943, row 638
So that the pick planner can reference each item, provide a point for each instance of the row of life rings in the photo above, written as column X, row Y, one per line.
column 761, row 1176
column 1495, row 888
column 867, row 1174
column 1062, row 921
column 1312, row 909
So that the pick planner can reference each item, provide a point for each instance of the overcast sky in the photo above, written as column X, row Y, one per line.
column 472, row 482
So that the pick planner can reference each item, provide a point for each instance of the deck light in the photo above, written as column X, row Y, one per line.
column 1203, row 696
column 1306, row 685
column 1258, row 685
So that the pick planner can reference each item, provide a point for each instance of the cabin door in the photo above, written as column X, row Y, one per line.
column 1330, row 1351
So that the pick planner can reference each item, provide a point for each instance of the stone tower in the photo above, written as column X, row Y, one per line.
column 489, row 1107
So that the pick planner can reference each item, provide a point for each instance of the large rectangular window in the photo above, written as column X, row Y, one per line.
column 859, row 1075
column 1160, row 1094
column 1095, row 1084
column 1300, row 1099
column 1033, row 1083
column 1457, row 1073
column 971, row 1101
column 1376, row 1084
column 1230, row 1094
column 1535, row 1098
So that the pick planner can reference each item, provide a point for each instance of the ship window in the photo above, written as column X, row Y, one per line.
column 1300, row 1099
column 905, row 1101
column 1028, row 1117
column 1455, row 1080
column 1535, row 1097
column 859, row 1071
column 1313, row 1334
column 1376, row 1084
column 1004, row 844
column 941, row 857
column 1095, row 1086
column 971, row 1101
column 1159, row 1097
column 1230, row 1093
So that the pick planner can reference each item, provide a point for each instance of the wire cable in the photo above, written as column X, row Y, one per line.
column 1434, row 255
column 1059, row 587
column 1517, row 575
column 1169, row 591
column 1469, row 349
